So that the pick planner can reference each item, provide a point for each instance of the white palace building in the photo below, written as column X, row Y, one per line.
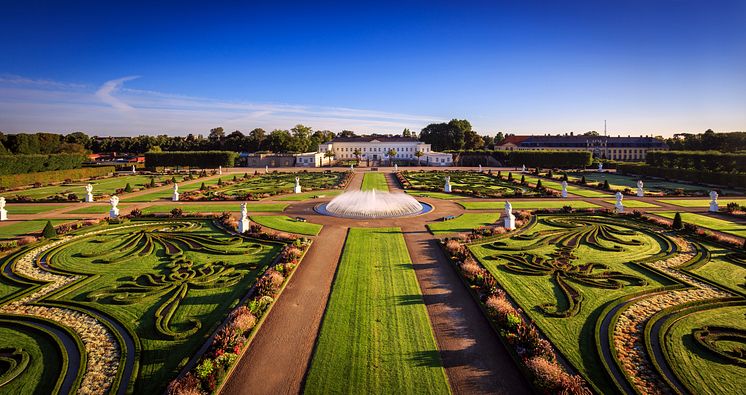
column 373, row 149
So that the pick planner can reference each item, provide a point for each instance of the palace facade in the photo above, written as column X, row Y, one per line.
column 615, row 148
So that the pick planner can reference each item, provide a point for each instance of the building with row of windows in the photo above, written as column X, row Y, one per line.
column 615, row 148
column 374, row 149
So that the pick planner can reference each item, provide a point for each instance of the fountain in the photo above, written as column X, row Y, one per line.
column 373, row 204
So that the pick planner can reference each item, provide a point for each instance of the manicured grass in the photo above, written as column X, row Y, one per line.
column 284, row 223
column 19, row 228
column 573, row 335
column 297, row 197
column 194, row 272
column 700, row 370
column 528, row 204
column 17, row 208
column 106, row 186
column 633, row 203
column 722, row 271
column 94, row 208
column 376, row 337
column 44, row 366
column 375, row 181
column 436, row 195
column 704, row 203
column 463, row 223
column 216, row 207
column 166, row 193
column 277, row 183
column 571, row 189
column 619, row 182
column 708, row 222
column 470, row 183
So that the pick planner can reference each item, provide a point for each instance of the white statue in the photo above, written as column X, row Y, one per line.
column 243, row 222
column 3, row 211
column 480, row 168
column 220, row 170
column 640, row 192
column 134, row 171
column 297, row 185
column 447, row 187
column 396, row 167
column 600, row 167
column 714, row 202
column 175, row 196
column 509, row 221
column 523, row 169
column 89, row 193
column 619, row 206
column 266, row 169
column 114, row 212
column 564, row 188
column 352, row 168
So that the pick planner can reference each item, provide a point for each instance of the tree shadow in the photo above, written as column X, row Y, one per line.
column 404, row 300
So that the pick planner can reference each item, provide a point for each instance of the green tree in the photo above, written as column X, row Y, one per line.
column 329, row 154
column 391, row 154
column 678, row 224
column 523, row 180
column 49, row 232
column 472, row 140
column 419, row 155
column 406, row 133
column 128, row 188
column 357, row 154
column 538, row 185
column 301, row 140
column 606, row 185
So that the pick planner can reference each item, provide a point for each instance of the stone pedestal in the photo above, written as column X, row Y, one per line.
column 175, row 197
column 619, row 207
column 243, row 225
column 564, row 193
column 640, row 192
column 3, row 214
column 114, row 213
column 714, row 208
column 509, row 222
column 89, row 198
column 297, row 189
column 447, row 187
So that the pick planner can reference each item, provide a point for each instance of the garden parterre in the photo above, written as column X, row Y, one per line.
column 472, row 183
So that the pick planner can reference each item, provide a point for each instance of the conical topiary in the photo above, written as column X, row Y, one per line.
column 202, row 187
column 220, row 182
column 510, row 176
column 582, row 180
column 678, row 224
column 564, row 177
column 49, row 231
column 606, row 185
column 538, row 184
column 523, row 180
column 152, row 182
column 128, row 188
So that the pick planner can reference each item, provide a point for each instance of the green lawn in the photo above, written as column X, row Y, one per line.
column 376, row 337
column 528, row 204
column 166, row 193
column 470, row 183
column 19, row 228
column 722, row 202
column 284, row 223
column 43, row 370
column 376, row 181
column 94, row 208
column 463, row 223
column 571, row 189
column 708, row 222
column 17, row 208
column 633, row 203
column 698, row 369
column 574, row 334
column 263, row 185
column 106, row 186
column 216, row 207
column 619, row 182
column 297, row 197
column 435, row 195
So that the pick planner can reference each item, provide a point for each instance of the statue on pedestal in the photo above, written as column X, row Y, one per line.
column 509, row 221
column 523, row 169
column 114, row 212
column 220, row 170
column 600, row 167
column 175, row 196
column 564, row 189
column 134, row 171
column 480, row 168
column 619, row 206
column 243, row 222
column 396, row 167
column 3, row 211
column 297, row 185
column 447, row 187
column 640, row 192
column 714, row 208
column 89, row 193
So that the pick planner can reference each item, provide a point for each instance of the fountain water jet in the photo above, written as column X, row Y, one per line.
column 373, row 204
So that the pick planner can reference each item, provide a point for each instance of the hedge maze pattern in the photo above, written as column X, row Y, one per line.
column 184, row 275
column 657, row 281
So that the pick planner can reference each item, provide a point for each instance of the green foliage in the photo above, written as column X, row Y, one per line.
column 220, row 182
column 152, row 182
column 538, row 184
column 711, row 161
column 551, row 159
column 523, row 179
column 678, row 224
column 203, row 159
column 49, row 232
column 20, row 164
column 202, row 187
column 48, row 177
column 375, row 180
column 128, row 188
column 684, row 174
column 463, row 182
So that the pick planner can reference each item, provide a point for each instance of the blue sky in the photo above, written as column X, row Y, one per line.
column 648, row 67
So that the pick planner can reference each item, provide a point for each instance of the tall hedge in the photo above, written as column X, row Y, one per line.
column 49, row 177
column 21, row 164
column 699, row 160
column 551, row 159
column 677, row 173
column 201, row 159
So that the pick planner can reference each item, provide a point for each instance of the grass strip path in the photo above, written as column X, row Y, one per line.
column 463, row 223
column 436, row 195
column 527, row 204
column 703, row 203
column 297, row 197
column 31, row 208
column 632, row 203
column 216, row 208
column 376, row 181
column 708, row 222
column 376, row 337
column 284, row 223
column 95, row 209
column 573, row 189
column 21, row 228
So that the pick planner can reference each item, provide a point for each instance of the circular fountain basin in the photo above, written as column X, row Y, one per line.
column 373, row 204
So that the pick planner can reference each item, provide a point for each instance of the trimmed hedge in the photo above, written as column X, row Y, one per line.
column 551, row 159
column 49, row 177
column 20, row 164
column 201, row 159
column 712, row 161
column 679, row 173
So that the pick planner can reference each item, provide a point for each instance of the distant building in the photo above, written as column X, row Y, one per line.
column 373, row 149
column 307, row 159
column 615, row 148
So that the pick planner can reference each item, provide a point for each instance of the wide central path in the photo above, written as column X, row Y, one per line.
column 474, row 359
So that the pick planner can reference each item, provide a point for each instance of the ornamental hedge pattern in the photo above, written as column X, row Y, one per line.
column 20, row 164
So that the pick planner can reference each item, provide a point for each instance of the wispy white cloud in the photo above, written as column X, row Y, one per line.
column 30, row 105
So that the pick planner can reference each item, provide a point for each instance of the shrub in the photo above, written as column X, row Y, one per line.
column 538, row 184
column 204, row 369
column 128, row 188
column 177, row 212
column 270, row 283
column 523, row 180
column 202, row 187
column 152, row 182
column 21, row 164
column 26, row 240
column 72, row 197
column 582, row 180
column 203, row 159
column 49, row 177
column 186, row 385
column 220, row 182
column 135, row 213
column 606, row 185
column 49, row 231
column 677, row 223
column 510, row 176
